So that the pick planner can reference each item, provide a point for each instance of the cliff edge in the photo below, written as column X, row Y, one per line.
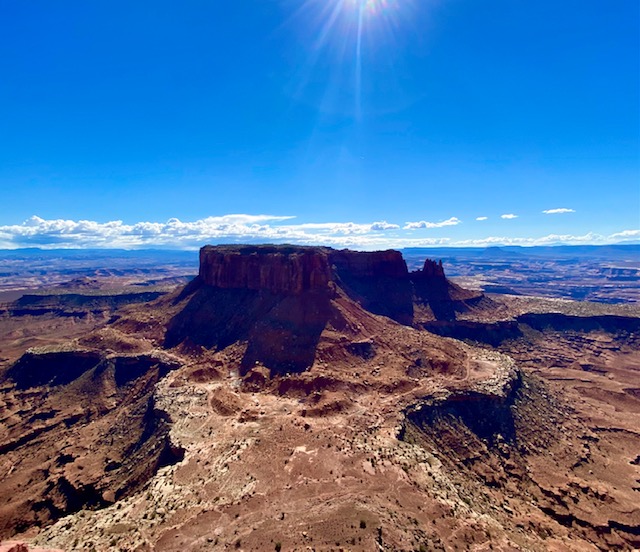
column 280, row 298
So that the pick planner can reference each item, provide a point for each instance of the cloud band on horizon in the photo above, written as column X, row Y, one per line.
column 176, row 234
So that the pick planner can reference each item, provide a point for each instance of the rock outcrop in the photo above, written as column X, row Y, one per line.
column 280, row 298
column 52, row 368
column 438, row 298
column 378, row 280
column 277, row 269
column 19, row 546
column 277, row 299
column 80, row 430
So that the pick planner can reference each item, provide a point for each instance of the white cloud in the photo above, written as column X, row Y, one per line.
column 590, row 238
column 560, row 211
column 482, row 218
column 344, row 227
column 384, row 225
column 509, row 216
column 176, row 234
column 550, row 239
column 453, row 221
column 626, row 234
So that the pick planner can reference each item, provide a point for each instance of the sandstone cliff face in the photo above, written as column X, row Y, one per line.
column 293, row 270
column 369, row 264
column 280, row 298
column 289, row 270
column 443, row 298
column 378, row 280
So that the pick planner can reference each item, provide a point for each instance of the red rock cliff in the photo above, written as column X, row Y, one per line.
column 443, row 297
column 370, row 264
column 279, row 269
column 293, row 269
column 431, row 269
column 378, row 280
column 303, row 286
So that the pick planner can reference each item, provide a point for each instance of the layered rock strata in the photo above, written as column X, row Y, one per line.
column 290, row 270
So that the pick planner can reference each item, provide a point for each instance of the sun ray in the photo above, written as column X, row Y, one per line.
column 347, row 45
column 328, row 25
column 358, row 95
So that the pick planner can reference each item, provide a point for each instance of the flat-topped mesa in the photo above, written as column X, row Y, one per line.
column 291, row 270
column 242, row 290
column 278, row 269
column 280, row 298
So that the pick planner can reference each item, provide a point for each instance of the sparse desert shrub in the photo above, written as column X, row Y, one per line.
column 278, row 546
column 363, row 524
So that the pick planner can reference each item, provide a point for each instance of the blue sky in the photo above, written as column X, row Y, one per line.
column 346, row 122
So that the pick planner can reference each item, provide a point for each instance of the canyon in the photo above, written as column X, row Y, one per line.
column 305, row 398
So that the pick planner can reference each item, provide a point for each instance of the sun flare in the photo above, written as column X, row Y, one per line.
column 373, row 7
column 357, row 47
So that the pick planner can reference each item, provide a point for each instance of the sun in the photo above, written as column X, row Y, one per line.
column 353, row 47
column 374, row 7
column 341, row 20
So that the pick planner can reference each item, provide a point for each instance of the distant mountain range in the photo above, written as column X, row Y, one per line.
column 555, row 251
column 610, row 252
column 603, row 273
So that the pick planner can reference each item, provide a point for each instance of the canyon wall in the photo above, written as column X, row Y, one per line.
column 278, row 269
column 378, row 280
column 293, row 269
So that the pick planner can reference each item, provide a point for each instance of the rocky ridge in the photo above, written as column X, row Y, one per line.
column 93, row 437
column 281, row 298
